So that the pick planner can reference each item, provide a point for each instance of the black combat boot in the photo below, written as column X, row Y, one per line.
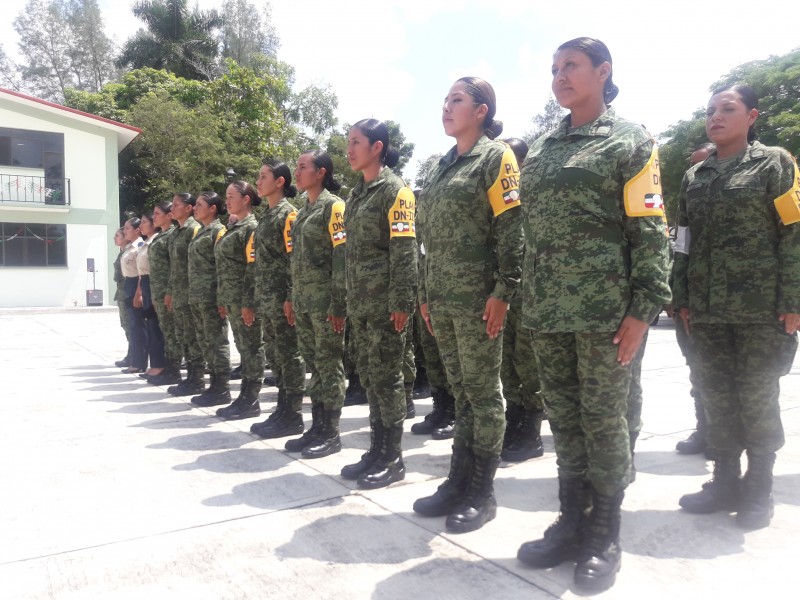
column 696, row 442
column 236, row 373
column 514, row 414
column 328, row 441
column 217, row 393
column 434, row 418
column 411, row 410
column 757, row 505
column 270, row 381
column 527, row 443
column 289, row 422
column 193, row 384
column 311, row 434
column 452, row 490
column 257, row 428
column 721, row 493
column 246, row 405
column 478, row 506
column 355, row 392
column 388, row 467
column 370, row 456
column 447, row 426
column 422, row 387
column 563, row 539
column 634, row 435
column 600, row 556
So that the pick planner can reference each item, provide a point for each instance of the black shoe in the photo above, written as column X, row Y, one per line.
column 270, row 381
column 388, row 466
column 328, row 441
column 694, row 444
column 355, row 393
column 601, row 556
column 310, row 435
column 526, row 443
column 166, row 377
column 125, row 362
column 722, row 493
column 447, row 426
column 355, row 470
column 245, row 406
column 187, row 388
column 422, row 387
column 434, row 418
column 236, row 373
column 757, row 506
column 449, row 493
column 478, row 506
column 217, row 393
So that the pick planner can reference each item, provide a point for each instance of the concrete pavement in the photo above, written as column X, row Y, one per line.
column 113, row 489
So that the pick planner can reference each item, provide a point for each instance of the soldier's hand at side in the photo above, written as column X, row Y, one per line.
column 168, row 302
column 426, row 316
column 791, row 322
column 629, row 337
column 495, row 315
column 223, row 314
column 686, row 319
column 399, row 319
column 669, row 310
column 337, row 323
column 288, row 312
column 248, row 316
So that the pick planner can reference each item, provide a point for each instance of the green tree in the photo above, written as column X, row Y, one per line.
column 247, row 32
column 9, row 72
column 178, row 40
column 425, row 168
column 545, row 121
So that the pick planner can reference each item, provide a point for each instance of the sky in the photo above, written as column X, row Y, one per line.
column 393, row 59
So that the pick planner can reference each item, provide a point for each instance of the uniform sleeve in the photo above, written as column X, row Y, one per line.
column 422, row 290
column 502, row 188
column 249, row 283
column 168, row 280
column 288, row 246
column 335, row 220
column 648, row 242
column 680, row 262
column 786, row 182
column 401, row 215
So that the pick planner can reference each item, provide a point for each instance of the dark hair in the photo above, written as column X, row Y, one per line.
column 245, row 189
column 135, row 222
column 213, row 199
column 749, row 99
column 483, row 93
column 186, row 197
column 518, row 147
column 598, row 53
column 322, row 160
column 165, row 206
column 377, row 131
column 281, row 169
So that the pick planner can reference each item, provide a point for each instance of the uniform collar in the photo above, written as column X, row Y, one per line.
column 452, row 154
column 754, row 151
column 600, row 127
column 190, row 221
column 361, row 187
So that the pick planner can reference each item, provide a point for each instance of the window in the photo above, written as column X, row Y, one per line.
column 27, row 148
column 33, row 245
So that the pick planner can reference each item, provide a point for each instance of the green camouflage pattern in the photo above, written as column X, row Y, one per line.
column 173, row 351
column 322, row 350
column 179, row 261
column 738, row 368
column 286, row 362
column 588, row 264
column 518, row 372
column 437, row 376
column 635, row 397
column 317, row 267
column 249, row 343
column 212, row 336
column 235, row 281
column 743, row 265
column 186, row 330
column 272, row 264
column 119, row 279
column 158, row 255
column 381, row 269
column 203, row 264
column 585, row 390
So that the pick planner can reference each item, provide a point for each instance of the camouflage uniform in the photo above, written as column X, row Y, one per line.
column 119, row 297
column 596, row 252
column 212, row 330
column 160, row 287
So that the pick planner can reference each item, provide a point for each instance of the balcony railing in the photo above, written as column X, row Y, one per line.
column 34, row 190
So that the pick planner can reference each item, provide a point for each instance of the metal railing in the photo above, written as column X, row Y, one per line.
column 34, row 190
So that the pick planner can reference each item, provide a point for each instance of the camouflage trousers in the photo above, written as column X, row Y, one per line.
column 287, row 365
column 518, row 372
column 430, row 355
column 212, row 333
column 472, row 363
column 381, row 363
column 635, row 398
column 321, row 349
column 250, row 344
column 739, row 367
column 172, row 347
column 124, row 319
column 585, row 391
column 350, row 352
column 268, row 336
column 686, row 344
column 409, row 362
column 186, row 329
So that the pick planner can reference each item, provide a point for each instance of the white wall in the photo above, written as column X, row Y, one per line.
column 62, row 286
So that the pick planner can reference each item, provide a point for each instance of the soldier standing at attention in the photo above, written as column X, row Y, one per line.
column 737, row 289
column 158, row 254
column 381, row 294
column 235, row 252
column 318, row 301
column 471, row 226
column 273, row 246
column 212, row 328
column 119, row 295
column 154, row 338
column 177, row 299
column 137, row 348
column 595, row 276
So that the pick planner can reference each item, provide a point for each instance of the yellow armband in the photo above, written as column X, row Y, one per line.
column 504, row 193
column 643, row 192
column 220, row 233
column 336, row 224
column 788, row 204
column 401, row 215
column 287, row 231
column 250, row 249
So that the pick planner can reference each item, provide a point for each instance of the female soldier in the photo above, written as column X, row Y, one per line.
column 212, row 328
column 154, row 339
column 137, row 350
column 158, row 255
column 273, row 247
column 471, row 227
column 119, row 296
column 595, row 276
column 381, row 282
column 737, row 282
column 236, row 297
column 317, row 304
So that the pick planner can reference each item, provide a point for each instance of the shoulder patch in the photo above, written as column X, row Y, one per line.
column 287, row 231
column 220, row 233
column 788, row 204
column 402, row 215
column 643, row 192
column 336, row 224
column 504, row 193
column 250, row 249
column 195, row 229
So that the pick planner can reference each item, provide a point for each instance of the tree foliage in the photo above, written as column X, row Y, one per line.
column 247, row 33
column 545, row 121
column 9, row 72
column 424, row 170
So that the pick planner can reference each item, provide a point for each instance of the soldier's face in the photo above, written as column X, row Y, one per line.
column 360, row 153
column 576, row 82
column 202, row 210
column 235, row 202
column 161, row 219
column 728, row 119
column 131, row 232
column 266, row 183
column 460, row 113
column 180, row 209
column 307, row 176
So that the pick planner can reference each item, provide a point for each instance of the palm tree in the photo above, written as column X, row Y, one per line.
column 176, row 39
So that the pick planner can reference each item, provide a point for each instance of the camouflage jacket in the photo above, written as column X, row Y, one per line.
column 158, row 253
column 273, row 248
column 318, row 257
column 233, row 252
column 596, row 247
column 735, row 259
column 470, row 223
column 381, row 247
column 179, row 261
column 119, row 279
column 203, row 264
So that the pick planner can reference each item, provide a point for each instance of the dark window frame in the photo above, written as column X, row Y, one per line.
column 27, row 237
